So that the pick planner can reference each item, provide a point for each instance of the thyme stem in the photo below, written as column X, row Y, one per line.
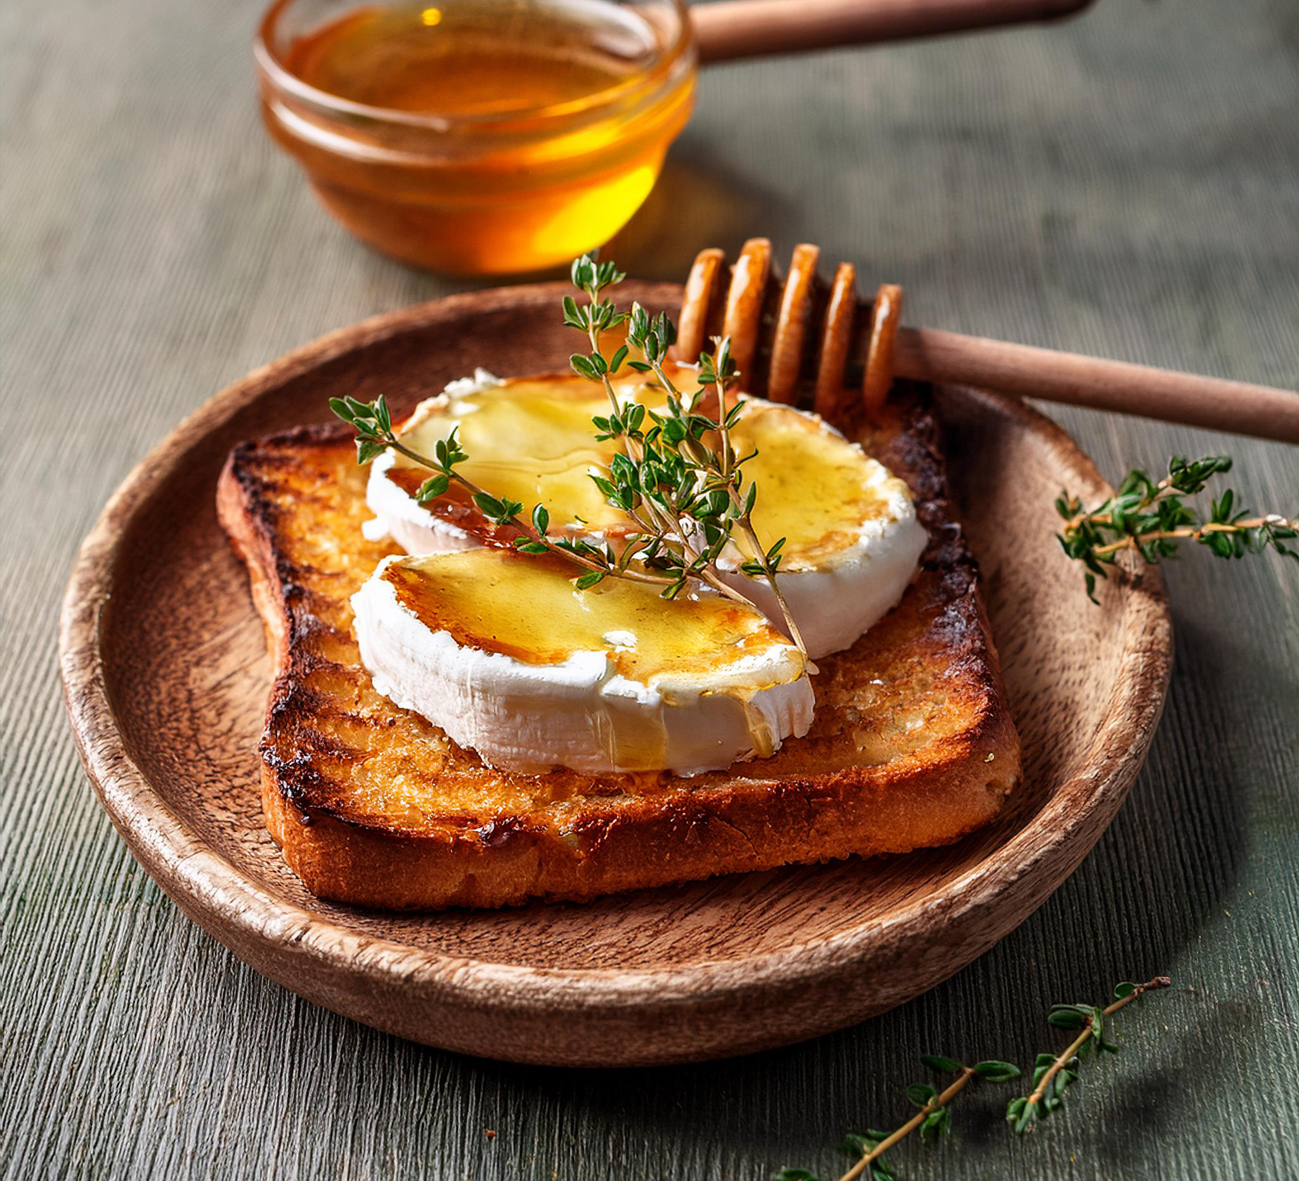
column 526, row 528
column 746, row 524
column 744, row 516
column 1136, row 541
column 942, row 1100
column 1163, row 491
column 1071, row 1051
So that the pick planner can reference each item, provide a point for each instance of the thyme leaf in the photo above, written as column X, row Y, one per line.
column 1152, row 517
column 1052, row 1074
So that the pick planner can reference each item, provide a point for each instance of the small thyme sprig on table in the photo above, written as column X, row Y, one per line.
column 1151, row 517
column 934, row 1119
column 1053, row 1073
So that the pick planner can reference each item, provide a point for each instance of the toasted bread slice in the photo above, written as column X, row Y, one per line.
column 912, row 744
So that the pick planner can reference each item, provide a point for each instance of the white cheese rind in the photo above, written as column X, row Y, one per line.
column 399, row 515
column 529, row 718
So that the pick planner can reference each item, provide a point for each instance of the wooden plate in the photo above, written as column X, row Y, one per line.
column 165, row 676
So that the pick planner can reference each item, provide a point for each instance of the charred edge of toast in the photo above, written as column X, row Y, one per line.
column 250, row 516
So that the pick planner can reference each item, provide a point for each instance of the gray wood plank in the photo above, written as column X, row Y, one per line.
column 1126, row 185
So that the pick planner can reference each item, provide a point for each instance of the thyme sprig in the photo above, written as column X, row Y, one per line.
column 650, row 481
column 676, row 475
column 1151, row 518
column 683, row 466
column 1053, row 1073
column 372, row 422
column 933, row 1120
column 718, row 468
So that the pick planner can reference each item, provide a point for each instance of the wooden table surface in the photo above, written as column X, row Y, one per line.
column 1125, row 185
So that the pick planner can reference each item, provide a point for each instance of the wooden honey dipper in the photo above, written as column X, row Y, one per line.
column 800, row 332
column 735, row 29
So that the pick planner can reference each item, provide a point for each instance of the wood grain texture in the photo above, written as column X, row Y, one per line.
column 1126, row 185
column 785, row 334
column 934, row 355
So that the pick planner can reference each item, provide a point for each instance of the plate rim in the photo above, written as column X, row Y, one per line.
column 216, row 894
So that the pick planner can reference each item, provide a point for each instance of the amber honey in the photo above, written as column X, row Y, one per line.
column 479, row 597
column 530, row 440
column 478, row 136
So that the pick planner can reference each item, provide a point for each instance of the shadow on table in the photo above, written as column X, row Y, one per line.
column 695, row 204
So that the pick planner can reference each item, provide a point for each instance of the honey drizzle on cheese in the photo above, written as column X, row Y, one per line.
column 528, row 609
column 814, row 487
column 532, row 440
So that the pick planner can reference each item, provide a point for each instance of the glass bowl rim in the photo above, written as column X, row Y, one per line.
column 667, row 60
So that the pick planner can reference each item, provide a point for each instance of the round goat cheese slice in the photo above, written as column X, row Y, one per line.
column 852, row 538
column 504, row 654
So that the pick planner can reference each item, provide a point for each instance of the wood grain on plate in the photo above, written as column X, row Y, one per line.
column 165, row 676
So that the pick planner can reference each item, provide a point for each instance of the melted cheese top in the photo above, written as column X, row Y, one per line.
column 532, row 440
column 527, row 608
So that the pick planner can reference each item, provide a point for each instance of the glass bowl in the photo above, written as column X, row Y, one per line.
column 480, row 136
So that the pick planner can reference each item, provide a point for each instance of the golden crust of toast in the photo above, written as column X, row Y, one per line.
column 912, row 744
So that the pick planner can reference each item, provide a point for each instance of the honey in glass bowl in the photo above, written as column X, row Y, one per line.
column 478, row 136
